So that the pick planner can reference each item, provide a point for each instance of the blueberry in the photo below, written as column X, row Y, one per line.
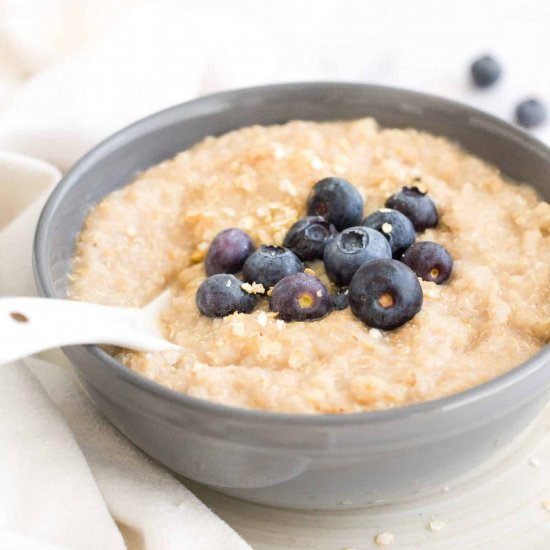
column 530, row 113
column 340, row 299
column 430, row 261
column 416, row 205
column 221, row 294
column 336, row 200
column 485, row 71
column 308, row 237
column 269, row 264
column 300, row 297
column 228, row 251
column 385, row 294
column 396, row 227
column 350, row 250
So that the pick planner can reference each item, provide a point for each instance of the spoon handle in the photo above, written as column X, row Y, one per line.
column 29, row 325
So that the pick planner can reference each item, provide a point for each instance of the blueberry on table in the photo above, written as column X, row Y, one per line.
column 308, row 237
column 355, row 246
column 395, row 226
column 430, row 261
column 340, row 299
column 336, row 200
column 385, row 294
column 228, row 251
column 416, row 205
column 300, row 297
column 269, row 264
column 485, row 71
column 530, row 113
column 221, row 294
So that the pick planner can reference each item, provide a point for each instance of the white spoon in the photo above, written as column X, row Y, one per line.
column 30, row 325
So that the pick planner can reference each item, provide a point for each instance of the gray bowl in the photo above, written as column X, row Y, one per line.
column 279, row 459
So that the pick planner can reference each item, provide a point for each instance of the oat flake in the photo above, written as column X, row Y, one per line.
column 238, row 329
column 435, row 525
column 285, row 186
column 316, row 163
column 254, row 288
column 132, row 231
column 195, row 195
column 384, row 539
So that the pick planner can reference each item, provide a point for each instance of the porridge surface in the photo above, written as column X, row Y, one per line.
column 492, row 315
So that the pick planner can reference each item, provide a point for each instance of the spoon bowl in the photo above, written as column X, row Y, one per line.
column 29, row 325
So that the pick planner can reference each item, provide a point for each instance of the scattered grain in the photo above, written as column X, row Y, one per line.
column 132, row 231
column 316, row 163
column 435, row 525
column 384, row 539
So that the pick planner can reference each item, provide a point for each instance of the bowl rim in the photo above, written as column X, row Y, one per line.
column 440, row 405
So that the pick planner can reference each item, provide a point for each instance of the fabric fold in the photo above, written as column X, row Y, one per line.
column 47, row 490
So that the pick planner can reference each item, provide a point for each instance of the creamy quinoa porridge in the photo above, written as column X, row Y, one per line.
column 491, row 316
